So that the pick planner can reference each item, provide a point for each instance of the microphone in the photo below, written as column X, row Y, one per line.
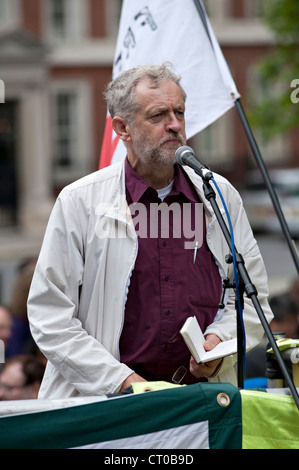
column 186, row 156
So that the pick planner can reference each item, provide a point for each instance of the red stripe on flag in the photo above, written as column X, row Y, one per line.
column 109, row 144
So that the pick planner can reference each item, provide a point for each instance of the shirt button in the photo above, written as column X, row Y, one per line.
column 164, row 243
column 166, row 278
column 167, row 312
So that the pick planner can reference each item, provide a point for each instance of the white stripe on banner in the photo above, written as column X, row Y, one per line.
column 190, row 436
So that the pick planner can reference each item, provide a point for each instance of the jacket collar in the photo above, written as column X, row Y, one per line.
column 116, row 204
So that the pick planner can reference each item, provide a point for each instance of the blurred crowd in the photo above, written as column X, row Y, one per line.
column 285, row 307
column 23, row 369
column 22, row 372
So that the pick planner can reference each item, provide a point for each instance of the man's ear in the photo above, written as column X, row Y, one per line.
column 120, row 127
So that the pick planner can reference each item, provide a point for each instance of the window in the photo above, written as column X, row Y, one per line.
column 275, row 149
column 58, row 17
column 65, row 20
column 214, row 145
column 8, row 167
column 253, row 8
column 65, row 126
column 217, row 10
column 71, row 129
column 9, row 14
column 113, row 10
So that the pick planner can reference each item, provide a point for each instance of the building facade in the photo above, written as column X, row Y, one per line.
column 56, row 57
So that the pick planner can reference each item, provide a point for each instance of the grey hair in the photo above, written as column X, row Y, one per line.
column 120, row 93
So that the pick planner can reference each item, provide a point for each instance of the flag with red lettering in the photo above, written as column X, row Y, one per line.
column 179, row 32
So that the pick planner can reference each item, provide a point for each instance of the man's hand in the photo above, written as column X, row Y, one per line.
column 209, row 368
column 131, row 379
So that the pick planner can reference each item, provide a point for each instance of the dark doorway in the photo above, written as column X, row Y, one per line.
column 8, row 170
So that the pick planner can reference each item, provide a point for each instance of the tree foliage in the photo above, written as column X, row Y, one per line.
column 275, row 113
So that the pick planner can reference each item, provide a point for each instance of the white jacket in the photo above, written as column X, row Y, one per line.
column 78, row 292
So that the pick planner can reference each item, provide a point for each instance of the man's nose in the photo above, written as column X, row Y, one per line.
column 173, row 123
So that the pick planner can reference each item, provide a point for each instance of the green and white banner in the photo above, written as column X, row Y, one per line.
column 199, row 416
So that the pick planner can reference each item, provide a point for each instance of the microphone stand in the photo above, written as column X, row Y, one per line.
column 245, row 286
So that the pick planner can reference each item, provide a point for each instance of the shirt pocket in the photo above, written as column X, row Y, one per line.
column 204, row 281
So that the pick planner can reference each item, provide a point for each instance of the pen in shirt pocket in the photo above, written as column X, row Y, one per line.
column 195, row 252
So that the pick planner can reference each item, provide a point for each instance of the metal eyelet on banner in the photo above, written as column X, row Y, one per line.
column 223, row 399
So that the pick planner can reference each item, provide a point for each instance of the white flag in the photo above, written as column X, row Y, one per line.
column 157, row 31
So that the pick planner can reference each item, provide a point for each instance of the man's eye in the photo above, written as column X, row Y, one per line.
column 156, row 117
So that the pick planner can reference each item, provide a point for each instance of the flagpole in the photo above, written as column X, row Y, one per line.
column 258, row 157
column 203, row 18
column 268, row 183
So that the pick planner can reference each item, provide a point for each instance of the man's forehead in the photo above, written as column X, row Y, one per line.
column 147, row 91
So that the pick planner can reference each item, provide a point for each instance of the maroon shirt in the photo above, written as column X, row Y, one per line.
column 166, row 286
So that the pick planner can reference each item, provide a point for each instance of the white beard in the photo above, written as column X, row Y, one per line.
column 160, row 154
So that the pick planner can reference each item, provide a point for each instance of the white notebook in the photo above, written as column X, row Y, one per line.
column 194, row 339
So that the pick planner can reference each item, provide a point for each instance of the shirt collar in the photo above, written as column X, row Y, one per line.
column 136, row 186
column 183, row 185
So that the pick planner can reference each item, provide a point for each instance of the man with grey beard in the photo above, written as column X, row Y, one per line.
column 112, row 288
